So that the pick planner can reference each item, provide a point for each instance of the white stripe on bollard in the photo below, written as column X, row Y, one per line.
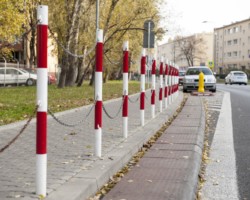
column 41, row 174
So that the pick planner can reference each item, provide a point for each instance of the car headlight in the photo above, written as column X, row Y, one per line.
column 211, row 80
column 189, row 80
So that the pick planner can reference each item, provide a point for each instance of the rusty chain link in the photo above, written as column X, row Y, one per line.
column 133, row 101
column 75, row 124
column 113, row 117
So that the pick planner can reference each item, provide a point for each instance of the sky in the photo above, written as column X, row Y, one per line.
column 187, row 16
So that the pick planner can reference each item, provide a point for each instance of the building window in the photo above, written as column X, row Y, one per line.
column 236, row 29
column 229, row 54
column 229, row 42
column 235, row 53
column 235, row 41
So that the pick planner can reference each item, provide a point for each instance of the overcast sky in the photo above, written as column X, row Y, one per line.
column 186, row 16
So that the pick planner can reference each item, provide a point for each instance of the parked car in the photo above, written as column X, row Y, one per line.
column 51, row 77
column 191, row 79
column 16, row 76
column 236, row 77
column 181, row 76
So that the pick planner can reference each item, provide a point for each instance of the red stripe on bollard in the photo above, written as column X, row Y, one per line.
column 125, row 106
column 153, row 71
column 166, row 69
column 166, row 92
column 99, row 58
column 98, row 114
column 125, row 62
column 41, row 133
column 153, row 97
column 143, row 65
column 42, row 35
column 142, row 102
column 161, row 68
column 160, row 94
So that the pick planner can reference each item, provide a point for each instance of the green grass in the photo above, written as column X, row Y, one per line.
column 18, row 103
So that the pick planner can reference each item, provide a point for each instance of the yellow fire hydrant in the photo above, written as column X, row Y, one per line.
column 201, row 82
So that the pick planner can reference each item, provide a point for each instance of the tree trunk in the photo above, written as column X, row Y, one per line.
column 69, row 70
column 92, row 80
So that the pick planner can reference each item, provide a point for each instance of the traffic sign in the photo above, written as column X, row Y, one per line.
column 148, row 34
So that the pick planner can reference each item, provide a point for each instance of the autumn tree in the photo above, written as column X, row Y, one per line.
column 72, row 23
column 11, row 21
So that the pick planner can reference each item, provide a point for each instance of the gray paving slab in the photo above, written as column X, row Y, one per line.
column 149, row 189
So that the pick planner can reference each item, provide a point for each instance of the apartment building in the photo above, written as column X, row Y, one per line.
column 202, row 50
column 232, row 47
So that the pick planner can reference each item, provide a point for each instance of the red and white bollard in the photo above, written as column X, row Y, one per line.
column 177, row 81
column 98, row 93
column 170, row 84
column 161, row 84
column 142, row 97
column 173, row 83
column 153, row 88
column 125, row 89
column 42, row 100
column 166, row 85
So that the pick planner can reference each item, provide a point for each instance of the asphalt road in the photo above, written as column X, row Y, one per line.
column 240, row 105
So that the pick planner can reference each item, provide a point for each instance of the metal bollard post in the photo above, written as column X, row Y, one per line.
column 125, row 89
column 42, row 100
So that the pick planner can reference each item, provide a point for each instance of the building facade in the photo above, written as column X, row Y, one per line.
column 232, row 47
column 202, row 49
column 21, row 54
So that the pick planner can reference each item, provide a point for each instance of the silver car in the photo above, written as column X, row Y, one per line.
column 191, row 79
column 15, row 76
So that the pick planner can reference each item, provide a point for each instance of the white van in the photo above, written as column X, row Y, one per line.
column 15, row 76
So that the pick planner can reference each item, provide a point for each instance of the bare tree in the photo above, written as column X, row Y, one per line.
column 192, row 48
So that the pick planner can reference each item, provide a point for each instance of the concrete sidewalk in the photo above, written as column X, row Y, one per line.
column 169, row 169
column 73, row 171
